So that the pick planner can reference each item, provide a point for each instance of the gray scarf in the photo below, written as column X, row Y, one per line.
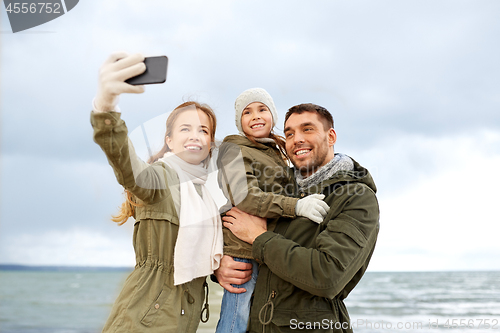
column 340, row 162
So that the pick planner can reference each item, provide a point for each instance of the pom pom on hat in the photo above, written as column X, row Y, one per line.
column 250, row 96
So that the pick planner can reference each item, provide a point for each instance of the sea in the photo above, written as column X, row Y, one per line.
column 78, row 300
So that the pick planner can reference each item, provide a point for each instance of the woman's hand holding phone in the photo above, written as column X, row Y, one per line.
column 112, row 75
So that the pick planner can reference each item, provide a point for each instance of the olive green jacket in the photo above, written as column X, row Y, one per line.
column 255, row 178
column 149, row 301
column 308, row 269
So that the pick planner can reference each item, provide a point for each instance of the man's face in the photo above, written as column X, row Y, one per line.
column 308, row 145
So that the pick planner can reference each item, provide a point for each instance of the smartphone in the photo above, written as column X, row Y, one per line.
column 156, row 72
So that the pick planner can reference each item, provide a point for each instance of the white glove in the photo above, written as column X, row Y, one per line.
column 112, row 75
column 313, row 207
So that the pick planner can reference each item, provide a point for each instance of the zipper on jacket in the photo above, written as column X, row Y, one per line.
column 269, row 304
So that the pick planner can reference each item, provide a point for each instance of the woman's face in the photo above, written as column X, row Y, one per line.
column 256, row 120
column 190, row 136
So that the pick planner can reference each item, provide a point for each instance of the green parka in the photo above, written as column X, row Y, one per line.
column 149, row 301
column 255, row 178
column 308, row 269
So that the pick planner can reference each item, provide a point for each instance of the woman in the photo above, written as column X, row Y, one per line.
column 170, row 205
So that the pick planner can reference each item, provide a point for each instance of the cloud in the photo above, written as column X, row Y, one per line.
column 405, row 161
column 71, row 247
column 413, row 88
column 445, row 211
column 429, row 69
column 47, row 194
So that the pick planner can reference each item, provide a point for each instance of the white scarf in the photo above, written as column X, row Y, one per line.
column 198, row 249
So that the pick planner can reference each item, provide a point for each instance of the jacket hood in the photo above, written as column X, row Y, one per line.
column 360, row 174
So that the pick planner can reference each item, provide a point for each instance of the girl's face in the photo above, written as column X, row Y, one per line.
column 190, row 137
column 256, row 120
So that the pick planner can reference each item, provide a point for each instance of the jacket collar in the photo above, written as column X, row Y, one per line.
column 359, row 174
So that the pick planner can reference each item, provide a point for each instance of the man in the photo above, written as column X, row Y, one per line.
column 308, row 269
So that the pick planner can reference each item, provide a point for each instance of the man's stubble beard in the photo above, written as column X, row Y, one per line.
column 315, row 162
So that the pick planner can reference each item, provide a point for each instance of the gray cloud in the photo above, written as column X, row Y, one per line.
column 41, row 194
column 405, row 66
column 388, row 71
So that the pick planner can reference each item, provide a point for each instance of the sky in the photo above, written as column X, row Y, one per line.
column 413, row 86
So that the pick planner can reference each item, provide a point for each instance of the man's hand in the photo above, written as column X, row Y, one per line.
column 244, row 226
column 233, row 272
column 112, row 75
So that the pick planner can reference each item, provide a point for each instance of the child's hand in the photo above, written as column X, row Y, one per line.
column 313, row 207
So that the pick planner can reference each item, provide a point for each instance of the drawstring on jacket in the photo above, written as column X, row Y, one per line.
column 206, row 308
column 263, row 311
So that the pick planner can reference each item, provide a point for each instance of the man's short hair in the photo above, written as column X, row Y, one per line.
column 324, row 115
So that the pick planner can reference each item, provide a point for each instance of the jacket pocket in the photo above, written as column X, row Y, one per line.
column 155, row 307
column 348, row 238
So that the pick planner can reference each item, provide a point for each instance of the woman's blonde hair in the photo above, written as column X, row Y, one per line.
column 127, row 208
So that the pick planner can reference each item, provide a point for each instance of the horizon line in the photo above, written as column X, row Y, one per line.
column 5, row 267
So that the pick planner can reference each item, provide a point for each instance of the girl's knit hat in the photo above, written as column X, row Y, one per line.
column 250, row 96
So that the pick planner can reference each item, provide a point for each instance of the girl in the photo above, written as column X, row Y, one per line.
column 264, row 189
column 170, row 205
